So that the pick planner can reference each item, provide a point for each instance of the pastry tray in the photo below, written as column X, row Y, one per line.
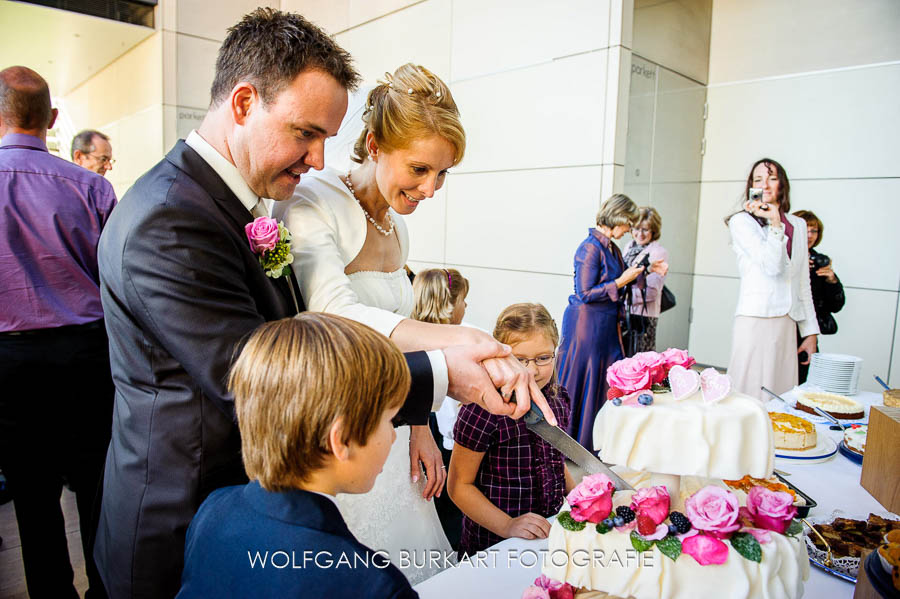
column 802, row 510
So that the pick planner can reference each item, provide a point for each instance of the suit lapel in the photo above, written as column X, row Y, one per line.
column 186, row 159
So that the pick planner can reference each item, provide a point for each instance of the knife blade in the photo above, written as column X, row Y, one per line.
column 571, row 448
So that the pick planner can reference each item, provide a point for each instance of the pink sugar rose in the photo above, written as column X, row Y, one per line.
column 771, row 510
column 591, row 500
column 705, row 549
column 679, row 357
column 653, row 362
column 713, row 510
column 555, row 588
column 629, row 375
column 262, row 234
column 652, row 502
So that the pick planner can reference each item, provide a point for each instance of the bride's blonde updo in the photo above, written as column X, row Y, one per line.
column 411, row 104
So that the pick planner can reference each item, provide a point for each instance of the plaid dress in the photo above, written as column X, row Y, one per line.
column 520, row 472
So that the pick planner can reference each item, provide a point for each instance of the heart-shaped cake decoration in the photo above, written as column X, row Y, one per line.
column 715, row 386
column 683, row 382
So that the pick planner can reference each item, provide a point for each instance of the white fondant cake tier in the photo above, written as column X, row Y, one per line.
column 726, row 439
column 575, row 557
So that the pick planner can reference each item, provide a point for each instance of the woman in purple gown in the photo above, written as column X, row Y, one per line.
column 590, row 329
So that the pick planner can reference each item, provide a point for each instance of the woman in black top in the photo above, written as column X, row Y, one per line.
column 827, row 291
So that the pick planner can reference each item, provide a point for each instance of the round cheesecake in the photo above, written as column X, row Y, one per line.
column 792, row 432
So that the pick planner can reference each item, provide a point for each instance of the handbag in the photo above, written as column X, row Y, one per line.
column 668, row 300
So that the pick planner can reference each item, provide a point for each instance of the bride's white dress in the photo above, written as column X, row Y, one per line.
column 329, row 230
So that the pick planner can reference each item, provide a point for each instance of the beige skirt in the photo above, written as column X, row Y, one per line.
column 763, row 354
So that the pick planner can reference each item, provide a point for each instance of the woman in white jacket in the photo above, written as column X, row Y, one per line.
column 775, row 298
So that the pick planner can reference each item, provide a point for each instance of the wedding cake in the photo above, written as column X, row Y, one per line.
column 683, row 533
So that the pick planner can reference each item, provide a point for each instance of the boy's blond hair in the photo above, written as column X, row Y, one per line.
column 295, row 377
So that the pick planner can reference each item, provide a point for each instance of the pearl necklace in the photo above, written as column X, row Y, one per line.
column 378, row 227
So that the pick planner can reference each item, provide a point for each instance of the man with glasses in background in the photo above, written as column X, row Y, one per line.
column 92, row 150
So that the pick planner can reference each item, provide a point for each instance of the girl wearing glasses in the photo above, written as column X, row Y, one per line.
column 504, row 478
column 646, row 292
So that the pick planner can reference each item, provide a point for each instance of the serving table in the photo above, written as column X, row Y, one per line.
column 512, row 565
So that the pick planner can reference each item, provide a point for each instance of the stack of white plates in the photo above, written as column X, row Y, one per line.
column 835, row 373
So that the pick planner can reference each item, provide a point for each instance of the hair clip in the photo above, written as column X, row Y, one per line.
column 449, row 279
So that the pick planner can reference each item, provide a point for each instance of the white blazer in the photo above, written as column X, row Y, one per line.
column 328, row 231
column 771, row 283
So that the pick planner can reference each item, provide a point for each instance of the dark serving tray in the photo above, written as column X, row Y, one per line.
column 802, row 510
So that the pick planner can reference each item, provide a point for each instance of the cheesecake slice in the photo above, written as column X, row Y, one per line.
column 792, row 432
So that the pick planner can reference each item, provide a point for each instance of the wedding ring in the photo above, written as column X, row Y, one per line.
column 443, row 467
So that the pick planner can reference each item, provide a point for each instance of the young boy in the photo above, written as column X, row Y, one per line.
column 314, row 397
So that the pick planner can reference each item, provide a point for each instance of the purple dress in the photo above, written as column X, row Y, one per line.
column 590, row 335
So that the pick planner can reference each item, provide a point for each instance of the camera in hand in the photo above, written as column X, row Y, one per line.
column 645, row 263
column 820, row 261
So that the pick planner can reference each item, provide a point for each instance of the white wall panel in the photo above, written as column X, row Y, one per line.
column 894, row 374
column 490, row 291
column 865, row 329
column 677, row 204
column 714, row 255
column 544, row 116
column 427, row 226
column 419, row 34
column 489, row 37
column 618, row 84
column 523, row 220
column 361, row 11
column 673, row 328
column 713, row 301
column 773, row 37
column 679, row 129
column 196, row 70
column 331, row 15
column 674, row 34
column 838, row 124
column 860, row 235
column 197, row 17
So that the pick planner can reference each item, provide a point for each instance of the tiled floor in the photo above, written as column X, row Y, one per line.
column 12, row 572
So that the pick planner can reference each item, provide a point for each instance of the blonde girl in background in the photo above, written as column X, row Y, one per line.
column 504, row 478
column 440, row 298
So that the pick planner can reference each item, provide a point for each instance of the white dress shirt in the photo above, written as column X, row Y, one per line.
column 773, row 284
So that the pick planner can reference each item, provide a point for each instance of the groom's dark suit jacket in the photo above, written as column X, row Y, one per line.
column 180, row 290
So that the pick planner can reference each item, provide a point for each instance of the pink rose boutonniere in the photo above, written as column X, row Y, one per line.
column 591, row 500
column 271, row 241
column 770, row 510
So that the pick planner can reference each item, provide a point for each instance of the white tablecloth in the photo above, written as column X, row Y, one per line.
column 509, row 570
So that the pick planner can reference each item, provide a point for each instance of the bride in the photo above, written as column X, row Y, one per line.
column 350, row 245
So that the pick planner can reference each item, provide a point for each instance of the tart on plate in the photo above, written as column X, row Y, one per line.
column 839, row 406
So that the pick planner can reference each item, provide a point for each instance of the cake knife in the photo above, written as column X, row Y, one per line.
column 571, row 448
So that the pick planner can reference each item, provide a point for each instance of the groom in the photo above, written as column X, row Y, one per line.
column 181, row 288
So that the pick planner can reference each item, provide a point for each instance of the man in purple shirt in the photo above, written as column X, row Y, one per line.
column 57, row 391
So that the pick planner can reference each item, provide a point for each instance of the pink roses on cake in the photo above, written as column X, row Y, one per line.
column 771, row 510
column 654, row 363
column 705, row 549
column 262, row 234
column 677, row 357
column 591, row 500
column 652, row 502
column 629, row 375
column 713, row 510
